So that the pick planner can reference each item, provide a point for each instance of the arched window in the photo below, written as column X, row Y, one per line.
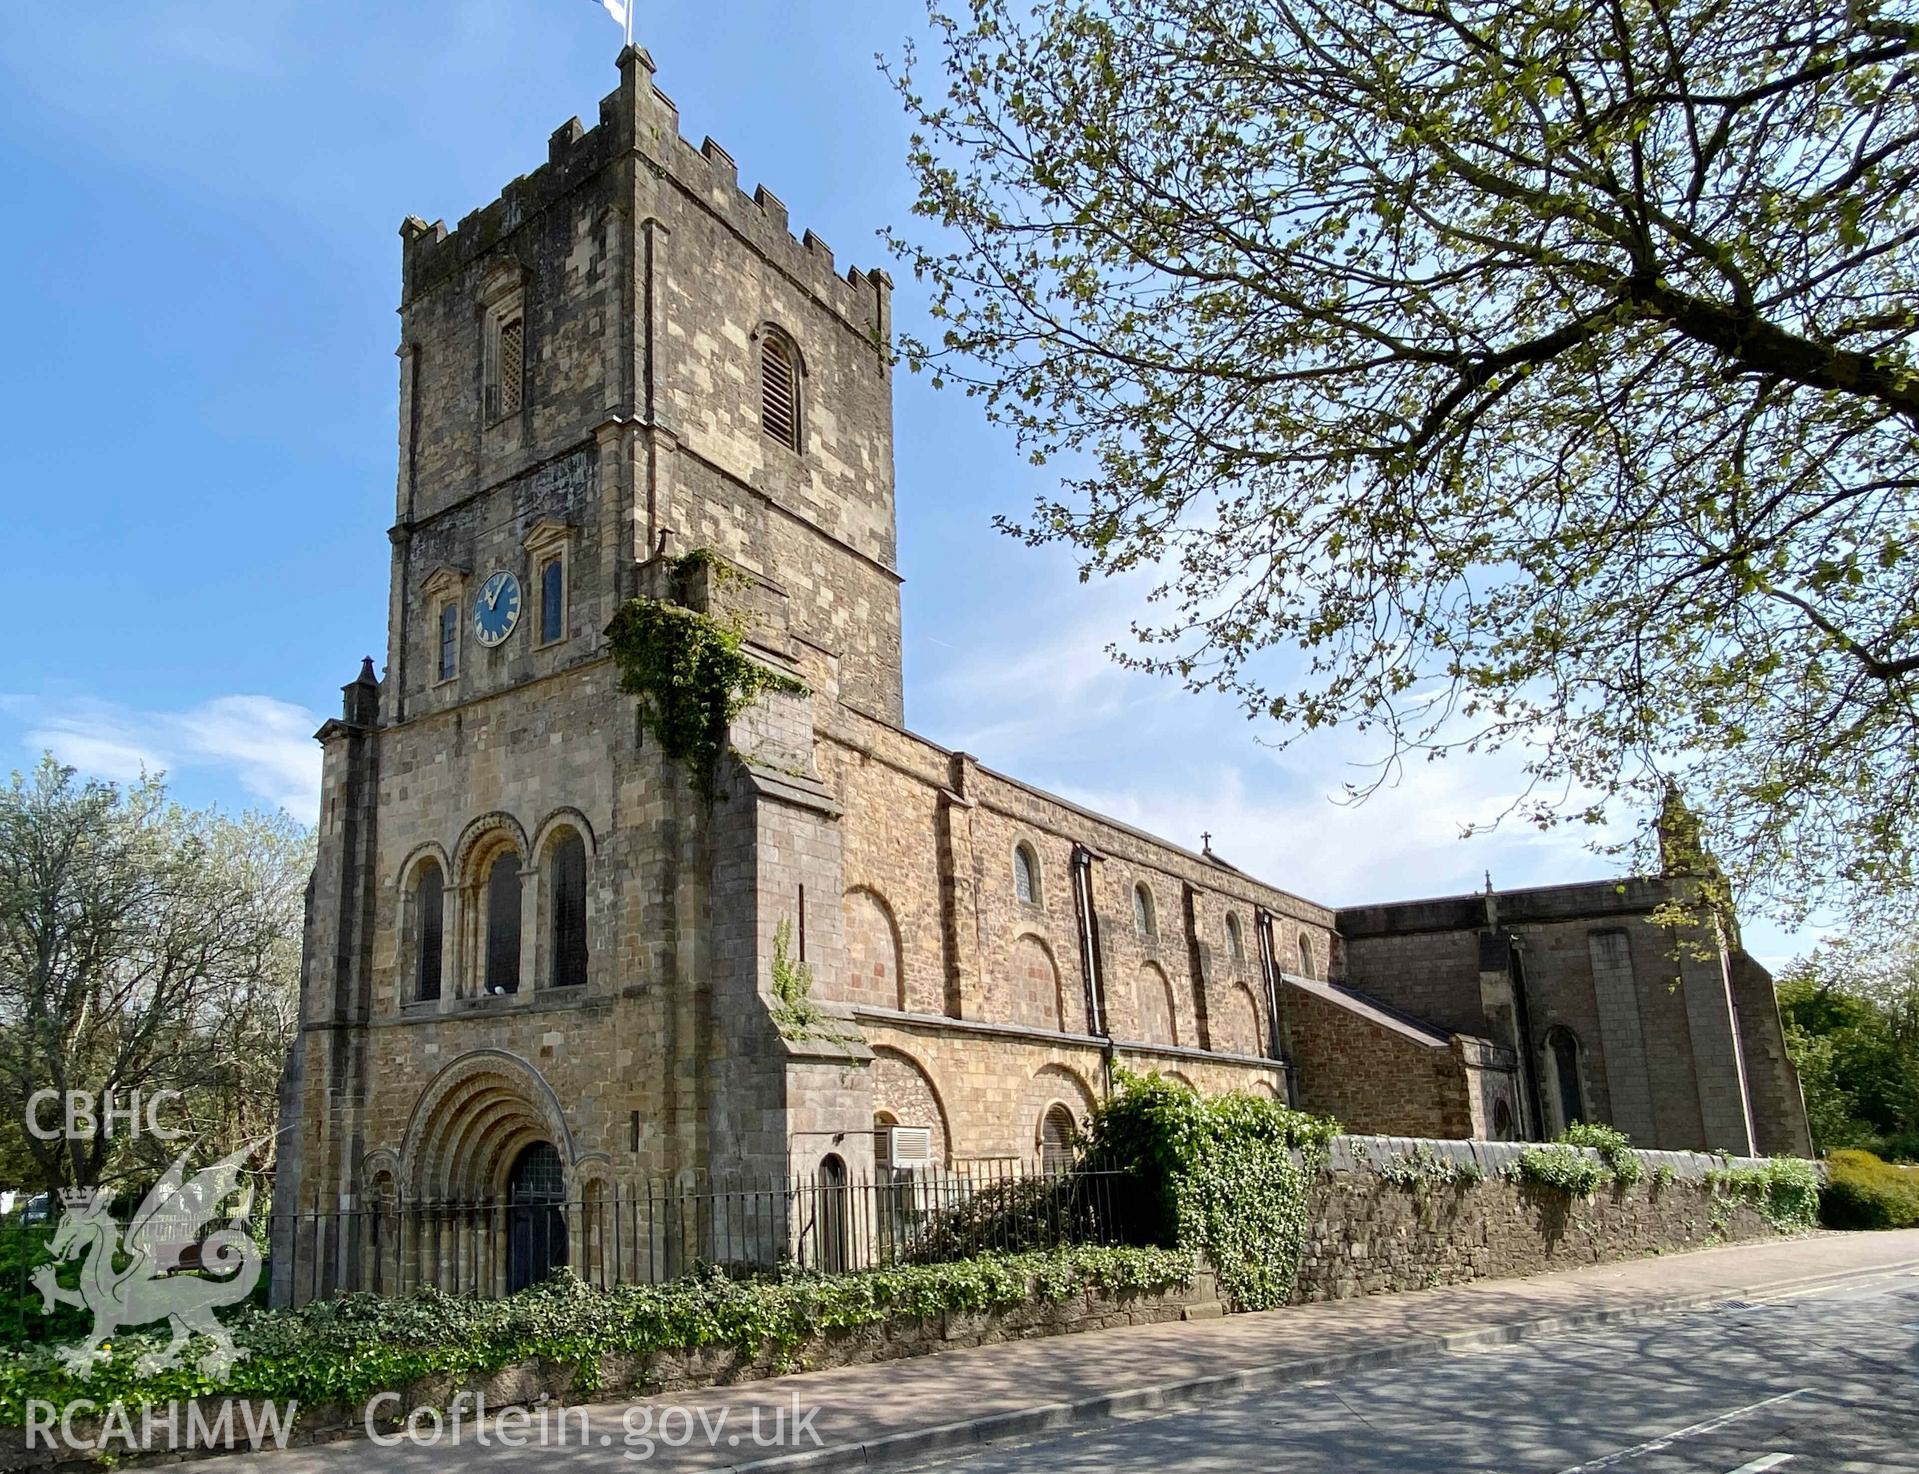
column 503, row 924
column 429, row 917
column 779, row 389
column 1056, row 1132
column 566, row 888
column 1144, row 922
column 1306, row 957
column 1025, row 875
column 1235, row 943
column 1564, row 1045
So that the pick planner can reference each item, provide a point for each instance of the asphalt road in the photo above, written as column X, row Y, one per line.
column 1824, row 1381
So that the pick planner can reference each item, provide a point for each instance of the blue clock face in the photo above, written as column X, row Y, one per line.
column 497, row 608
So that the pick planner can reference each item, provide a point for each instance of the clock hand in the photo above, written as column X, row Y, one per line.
column 499, row 587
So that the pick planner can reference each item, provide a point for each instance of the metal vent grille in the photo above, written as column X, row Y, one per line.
column 909, row 1146
column 779, row 391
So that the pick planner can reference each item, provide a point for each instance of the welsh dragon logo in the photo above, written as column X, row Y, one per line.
column 164, row 1236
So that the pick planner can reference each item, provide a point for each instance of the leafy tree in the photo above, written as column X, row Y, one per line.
column 1479, row 373
column 143, row 947
column 1851, row 1012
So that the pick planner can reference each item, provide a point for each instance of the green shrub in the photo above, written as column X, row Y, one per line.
column 1563, row 1167
column 1785, row 1190
column 1864, row 1192
column 23, row 1249
column 1217, row 1176
column 1012, row 1215
column 1614, row 1148
column 1424, row 1167
column 345, row 1349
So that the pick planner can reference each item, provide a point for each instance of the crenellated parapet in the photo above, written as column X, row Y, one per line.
column 637, row 118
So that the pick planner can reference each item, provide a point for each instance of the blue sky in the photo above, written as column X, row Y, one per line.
column 197, row 463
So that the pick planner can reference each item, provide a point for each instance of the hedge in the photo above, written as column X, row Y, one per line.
column 1862, row 1191
column 343, row 1350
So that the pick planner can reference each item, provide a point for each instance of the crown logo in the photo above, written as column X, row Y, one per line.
column 80, row 1199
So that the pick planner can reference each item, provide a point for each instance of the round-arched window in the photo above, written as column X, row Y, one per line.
column 566, row 895
column 1144, row 922
column 1025, row 875
column 503, row 924
column 429, row 923
column 1056, row 1132
column 780, row 389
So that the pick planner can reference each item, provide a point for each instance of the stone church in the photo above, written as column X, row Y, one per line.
column 538, row 954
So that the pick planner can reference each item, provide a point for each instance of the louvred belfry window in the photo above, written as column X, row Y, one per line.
column 779, row 390
column 512, row 365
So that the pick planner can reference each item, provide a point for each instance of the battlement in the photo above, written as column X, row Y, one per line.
column 637, row 117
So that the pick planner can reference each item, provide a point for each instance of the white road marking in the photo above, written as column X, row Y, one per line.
column 1665, row 1440
column 1763, row 1463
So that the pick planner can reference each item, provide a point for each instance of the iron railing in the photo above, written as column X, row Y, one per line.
column 646, row 1233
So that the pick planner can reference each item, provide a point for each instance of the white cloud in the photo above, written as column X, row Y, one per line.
column 1033, row 694
column 264, row 745
column 1402, row 843
column 1037, row 697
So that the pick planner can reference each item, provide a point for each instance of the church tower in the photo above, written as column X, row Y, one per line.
column 538, row 954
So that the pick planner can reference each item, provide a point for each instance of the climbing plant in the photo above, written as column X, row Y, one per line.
column 1226, row 1175
column 1423, row 1167
column 689, row 672
column 1614, row 1147
column 1784, row 1190
column 795, row 1014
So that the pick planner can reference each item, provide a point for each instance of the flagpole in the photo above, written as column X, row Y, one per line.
column 629, row 20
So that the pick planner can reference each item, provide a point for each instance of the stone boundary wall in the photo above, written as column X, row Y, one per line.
column 638, row 1376
column 1367, row 1235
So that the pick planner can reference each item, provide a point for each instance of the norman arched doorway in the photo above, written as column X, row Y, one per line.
column 536, row 1216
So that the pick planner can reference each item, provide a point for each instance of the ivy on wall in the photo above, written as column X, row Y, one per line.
column 1784, row 1190
column 1587, row 1157
column 1226, row 1176
column 689, row 672
column 343, row 1350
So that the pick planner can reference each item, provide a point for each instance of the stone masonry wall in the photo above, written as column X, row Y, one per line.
column 976, row 999
column 1374, row 1076
column 1677, row 1038
column 1369, row 1236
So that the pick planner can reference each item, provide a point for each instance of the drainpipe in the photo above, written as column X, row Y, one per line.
column 1088, row 920
column 1276, row 1043
column 1523, row 1022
